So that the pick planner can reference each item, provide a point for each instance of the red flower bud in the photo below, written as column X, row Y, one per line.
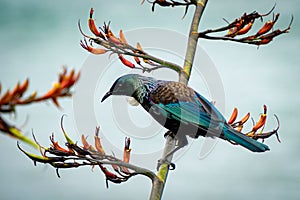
column 93, row 26
column 91, row 49
column 268, row 26
column 122, row 37
column 233, row 116
column 98, row 145
column 245, row 29
column 126, row 62
column 243, row 121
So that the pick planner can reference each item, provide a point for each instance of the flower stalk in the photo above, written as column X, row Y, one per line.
column 158, row 184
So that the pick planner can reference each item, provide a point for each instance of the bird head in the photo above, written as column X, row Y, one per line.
column 124, row 85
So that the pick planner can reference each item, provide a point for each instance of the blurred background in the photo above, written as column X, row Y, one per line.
column 38, row 37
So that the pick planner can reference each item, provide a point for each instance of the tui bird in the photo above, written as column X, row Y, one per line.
column 180, row 109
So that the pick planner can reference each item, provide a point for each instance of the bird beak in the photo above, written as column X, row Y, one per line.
column 106, row 95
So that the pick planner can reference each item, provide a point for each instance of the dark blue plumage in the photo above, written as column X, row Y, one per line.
column 180, row 109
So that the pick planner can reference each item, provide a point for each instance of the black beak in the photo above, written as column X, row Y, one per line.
column 106, row 95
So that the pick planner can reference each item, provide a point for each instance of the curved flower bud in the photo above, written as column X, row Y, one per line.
column 233, row 116
column 91, row 49
column 268, row 26
column 126, row 62
column 122, row 37
column 245, row 29
column 262, row 120
column 127, row 150
column 93, row 26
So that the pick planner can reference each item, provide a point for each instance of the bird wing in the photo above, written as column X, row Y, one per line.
column 209, row 107
column 185, row 112
column 177, row 101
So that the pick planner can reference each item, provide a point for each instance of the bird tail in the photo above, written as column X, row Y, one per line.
column 241, row 139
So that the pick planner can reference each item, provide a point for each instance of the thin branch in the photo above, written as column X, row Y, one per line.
column 159, row 182
column 111, row 43
column 14, row 132
column 75, row 156
column 242, row 25
column 15, row 97
column 192, row 42
column 137, row 169
column 61, row 88
column 265, row 39
column 172, row 3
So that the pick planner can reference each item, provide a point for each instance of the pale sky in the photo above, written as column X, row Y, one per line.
column 37, row 38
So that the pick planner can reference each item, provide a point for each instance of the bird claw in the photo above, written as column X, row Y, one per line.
column 172, row 166
column 169, row 133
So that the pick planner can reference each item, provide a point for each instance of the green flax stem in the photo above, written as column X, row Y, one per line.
column 159, row 182
column 192, row 42
column 161, row 178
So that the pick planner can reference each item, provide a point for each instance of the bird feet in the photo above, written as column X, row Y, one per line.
column 169, row 133
column 165, row 159
column 181, row 143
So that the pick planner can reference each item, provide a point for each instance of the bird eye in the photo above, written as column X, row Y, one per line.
column 120, row 85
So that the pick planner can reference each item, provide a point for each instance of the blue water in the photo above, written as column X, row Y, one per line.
column 37, row 38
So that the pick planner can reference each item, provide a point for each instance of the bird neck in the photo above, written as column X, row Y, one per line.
column 143, row 89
